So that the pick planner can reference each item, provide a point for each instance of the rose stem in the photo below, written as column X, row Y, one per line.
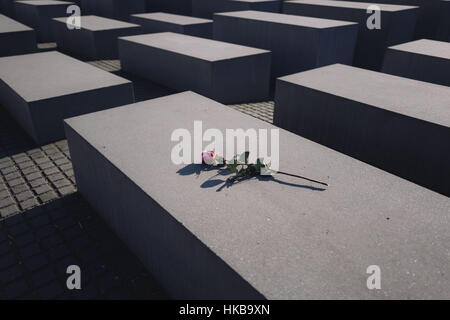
column 293, row 175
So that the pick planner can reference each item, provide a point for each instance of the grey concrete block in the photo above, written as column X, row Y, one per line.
column 15, row 38
column 207, row 8
column 280, row 238
column 424, row 60
column 397, row 25
column 7, row 8
column 38, row 15
column 222, row 71
column 396, row 124
column 97, row 38
column 183, row 7
column 40, row 90
column 297, row 43
column 114, row 9
column 443, row 29
column 163, row 22
column 428, row 15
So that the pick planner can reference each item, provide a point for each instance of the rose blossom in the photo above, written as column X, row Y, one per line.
column 209, row 158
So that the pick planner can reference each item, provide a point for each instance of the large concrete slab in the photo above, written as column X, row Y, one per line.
column 222, row 71
column 114, row 9
column 41, row 89
column 7, row 7
column 97, row 38
column 424, row 60
column 207, row 8
column 397, row 25
column 297, row 43
column 428, row 15
column 38, row 15
column 280, row 238
column 15, row 38
column 397, row 124
column 168, row 22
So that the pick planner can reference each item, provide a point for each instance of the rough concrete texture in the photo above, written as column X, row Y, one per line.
column 397, row 25
column 281, row 237
column 424, row 60
column 41, row 89
column 38, row 15
column 397, row 124
column 15, row 38
column 97, row 38
column 163, row 22
column 225, row 72
column 297, row 43
column 207, row 8
column 114, row 9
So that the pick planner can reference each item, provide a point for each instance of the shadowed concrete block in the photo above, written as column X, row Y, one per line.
column 206, row 8
column 297, row 43
column 397, row 25
column 443, row 30
column 15, row 38
column 183, row 7
column 115, row 9
column 205, row 241
column 97, row 38
column 40, row 90
column 428, row 14
column 162, row 22
column 7, row 8
column 38, row 15
column 222, row 71
column 397, row 124
column 424, row 60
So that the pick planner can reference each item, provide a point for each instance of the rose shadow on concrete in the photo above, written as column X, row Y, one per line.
column 197, row 169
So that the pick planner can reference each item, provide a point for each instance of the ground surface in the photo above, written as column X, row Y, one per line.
column 45, row 225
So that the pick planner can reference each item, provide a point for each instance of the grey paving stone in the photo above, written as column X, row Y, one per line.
column 6, row 202
column 33, row 176
column 30, row 170
column 4, row 194
column 16, row 182
column 20, row 188
column 12, row 176
column 62, row 183
column 24, row 196
column 38, row 182
column 67, row 190
column 42, row 189
column 8, row 169
column 55, row 177
column 29, row 203
column 48, row 196
column 24, row 165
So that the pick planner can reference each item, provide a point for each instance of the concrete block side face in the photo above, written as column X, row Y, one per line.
column 17, row 107
column 154, row 26
column 183, row 7
column 21, row 42
column 443, row 29
column 417, row 67
column 409, row 148
column 106, row 41
column 184, row 266
column 78, row 42
column 294, row 49
column 28, row 15
column 241, row 80
column 207, row 8
column 202, row 30
column 7, row 7
column 171, row 69
column 337, row 45
column 402, row 26
column 45, row 22
column 48, row 115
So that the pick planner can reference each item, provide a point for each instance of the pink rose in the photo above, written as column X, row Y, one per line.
column 209, row 158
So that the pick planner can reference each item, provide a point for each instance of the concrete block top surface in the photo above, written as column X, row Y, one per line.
column 45, row 2
column 426, row 47
column 280, row 18
column 205, row 49
column 8, row 25
column 172, row 18
column 421, row 100
column 354, row 5
column 96, row 23
column 288, row 238
column 51, row 74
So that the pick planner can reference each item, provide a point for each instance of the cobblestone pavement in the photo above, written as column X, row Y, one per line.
column 36, row 248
